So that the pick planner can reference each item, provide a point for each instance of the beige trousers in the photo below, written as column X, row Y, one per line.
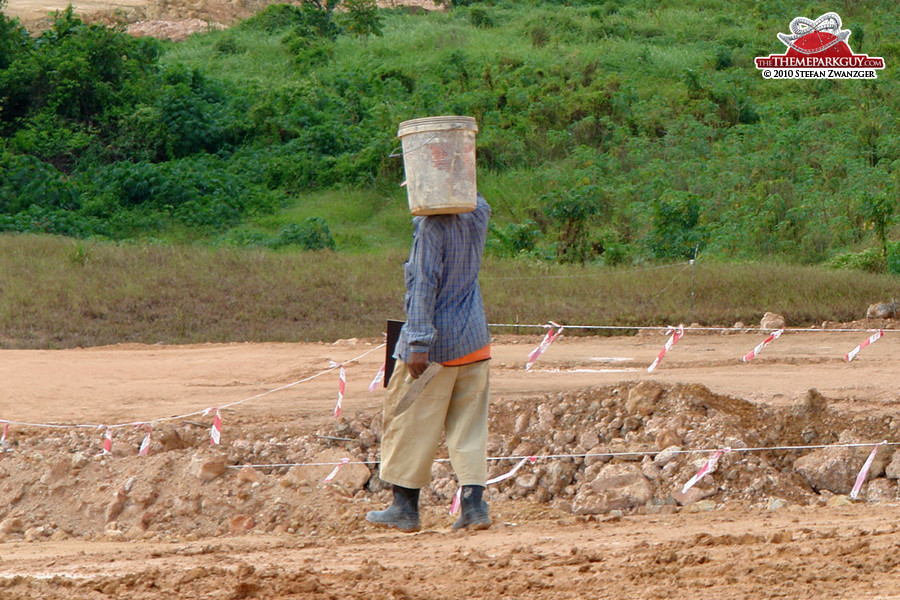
column 455, row 402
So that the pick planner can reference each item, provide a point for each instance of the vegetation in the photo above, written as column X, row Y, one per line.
column 619, row 132
column 61, row 293
column 612, row 134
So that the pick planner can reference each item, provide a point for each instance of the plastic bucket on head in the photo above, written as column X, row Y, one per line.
column 439, row 160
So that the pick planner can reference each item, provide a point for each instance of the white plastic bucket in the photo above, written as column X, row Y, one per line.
column 439, row 160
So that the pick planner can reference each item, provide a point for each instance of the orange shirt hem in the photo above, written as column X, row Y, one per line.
column 479, row 355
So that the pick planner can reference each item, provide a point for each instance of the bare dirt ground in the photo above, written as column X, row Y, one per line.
column 169, row 19
column 598, row 515
column 194, row 520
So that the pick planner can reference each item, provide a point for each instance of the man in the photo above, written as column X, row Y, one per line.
column 446, row 325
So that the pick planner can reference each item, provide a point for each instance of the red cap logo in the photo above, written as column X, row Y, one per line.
column 818, row 50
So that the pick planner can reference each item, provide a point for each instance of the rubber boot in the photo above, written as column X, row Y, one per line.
column 402, row 514
column 474, row 509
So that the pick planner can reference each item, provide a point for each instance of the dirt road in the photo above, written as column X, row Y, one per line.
column 170, row 19
column 127, row 526
column 123, row 382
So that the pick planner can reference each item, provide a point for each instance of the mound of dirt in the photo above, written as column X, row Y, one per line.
column 599, row 451
column 164, row 19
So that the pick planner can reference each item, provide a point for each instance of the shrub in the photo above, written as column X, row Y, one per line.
column 307, row 51
column 870, row 260
column 363, row 19
column 676, row 230
column 27, row 182
column 13, row 38
column 512, row 240
column 571, row 211
column 311, row 234
column 194, row 120
column 39, row 219
column 308, row 30
column 878, row 210
column 228, row 45
column 76, row 71
column 278, row 17
column 480, row 18
column 893, row 258
column 200, row 193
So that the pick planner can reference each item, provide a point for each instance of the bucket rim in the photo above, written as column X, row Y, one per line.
column 437, row 123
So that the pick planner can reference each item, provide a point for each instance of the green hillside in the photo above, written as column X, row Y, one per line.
column 618, row 131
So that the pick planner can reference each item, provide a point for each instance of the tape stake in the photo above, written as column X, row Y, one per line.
column 215, row 432
column 331, row 475
column 379, row 377
column 454, row 506
column 107, row 442
column 871, row 340
column 342, row 385
column 753, row 353
column 707, row 468
column 677, row 334
column 457, row 499
column 864, row 472
column 5, row 432
column 549, row 338
column 144, row 449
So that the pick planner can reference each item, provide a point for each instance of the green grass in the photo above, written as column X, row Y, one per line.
column 359, row 220
column 57, row 293
column 260, row 61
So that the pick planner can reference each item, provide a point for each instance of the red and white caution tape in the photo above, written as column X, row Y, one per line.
column 107, row 442
column 872, row 338
column 379, row 377
column 342, row 386
column 499, row 478
column 753, row 353
column 861, row 478
column 331, row 475
column 549, row 338
column 457, row 498
column 677, row 334
column 709, row 467
column 215, row 432
column 144, row 449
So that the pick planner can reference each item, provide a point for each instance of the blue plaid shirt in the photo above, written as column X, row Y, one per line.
column 444, row 310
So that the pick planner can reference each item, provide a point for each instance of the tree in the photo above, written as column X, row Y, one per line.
column 676, row 229
column 572, row 211
column 878, row 210
column 363, row 18
column 13, row 38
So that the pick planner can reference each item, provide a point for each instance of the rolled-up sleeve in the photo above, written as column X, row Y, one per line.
column 423, row 277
